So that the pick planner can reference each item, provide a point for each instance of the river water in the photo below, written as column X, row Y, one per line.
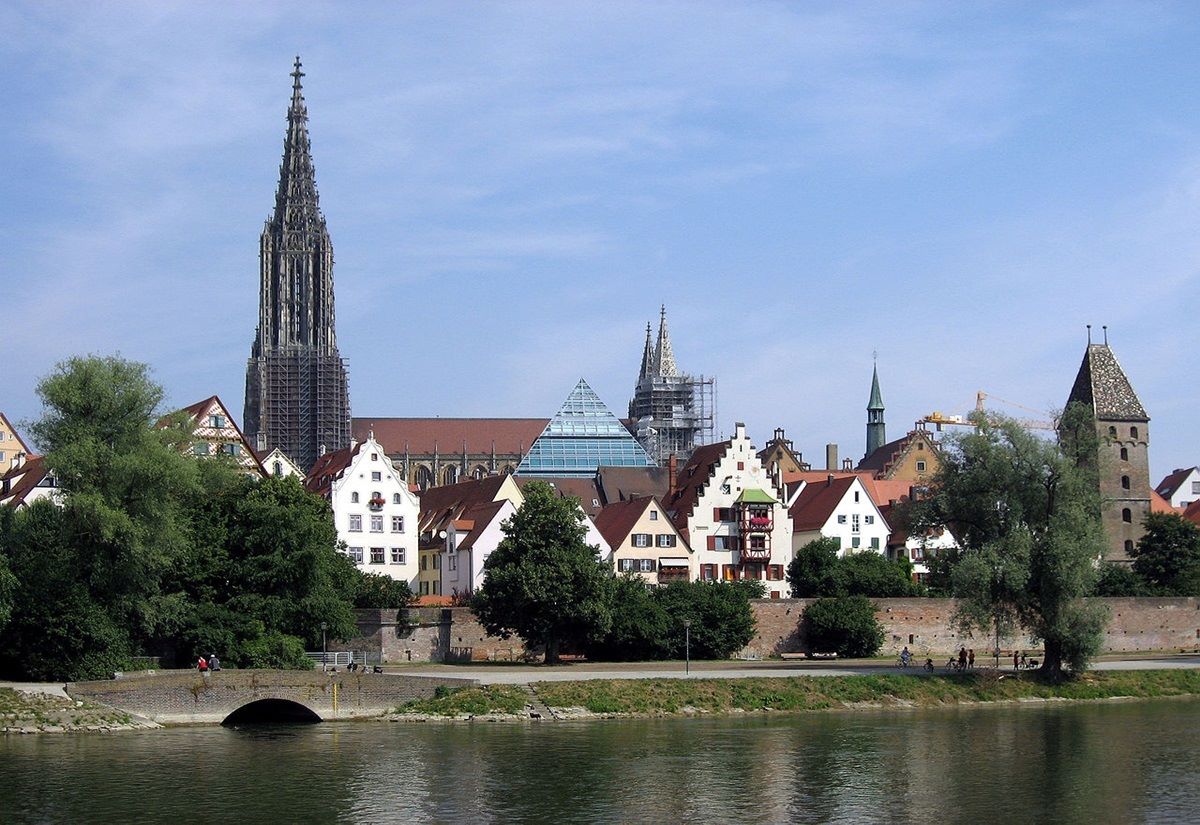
column 1083, row 763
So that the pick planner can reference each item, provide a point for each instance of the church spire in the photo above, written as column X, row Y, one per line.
column 296, row 202
column 876, row 428
column 664, row 357
column 647, row 355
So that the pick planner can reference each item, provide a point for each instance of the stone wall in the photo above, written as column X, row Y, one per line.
column 189, row 697
column 923, row 625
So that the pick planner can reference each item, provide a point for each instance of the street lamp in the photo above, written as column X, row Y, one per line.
column 323, row 627
column 687, row 647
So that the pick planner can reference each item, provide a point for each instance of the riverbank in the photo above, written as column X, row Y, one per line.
column 607, row 698
column 37, row 712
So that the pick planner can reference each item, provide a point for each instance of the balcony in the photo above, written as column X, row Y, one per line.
column 758, row 548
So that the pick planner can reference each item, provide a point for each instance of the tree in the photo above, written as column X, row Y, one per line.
column 1026, row 513
column 1168, row 555
column 814, row 570
column 544, row 582
column 641, row 626
column 817, row 570
column 382, row 592
column 722, row 619
column 846, row 626
column 1117, row 579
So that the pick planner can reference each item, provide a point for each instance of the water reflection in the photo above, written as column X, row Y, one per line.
column 1091, row 764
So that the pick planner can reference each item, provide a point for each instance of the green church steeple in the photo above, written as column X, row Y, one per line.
column 876, row 428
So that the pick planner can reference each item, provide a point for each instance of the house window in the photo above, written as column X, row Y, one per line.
column 841, row 519
column 1112, row 432
column 397, row 524
column 741, row 465
column 374, row 456
column 869, row 519
column 875, row 543
column 356, row 524
column 837, row 541
column 376, row 555
column 1124, row 482
column 625, row 565
column 376, row 475
column 1124, row 454
column 758, row 542
column 277, row 468
column 1196, row 487
column 647, row 565
column 397, row 555
column 920, row 445
column 728, row 573
column 1129, row 547
column 396, row 498
column 775, row 572
column 856, row 541
column 354, row 498
column 723, row 542
column 920, row 466
column 424, row 560
column 424, row 588
column 726, row 487
column 664, row 540
column 355, row 554
column 376, row 524
column 708, row 572
column 200, row 448
column 452, row 541
column 654, row 515
column 1127, row 516
column 1133, row 432
column 641, row 539
column 452, row 563
column 856, row 495
column 231, row 449
column 854, row 526
column 217, row 421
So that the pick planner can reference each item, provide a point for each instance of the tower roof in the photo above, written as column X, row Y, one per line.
column 876, row 401
column 297, row 206
column 1103, row 386
column 664, row 356
column 647, row 355
column 583, row 435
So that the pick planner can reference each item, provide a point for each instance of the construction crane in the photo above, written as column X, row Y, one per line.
column 940, row 419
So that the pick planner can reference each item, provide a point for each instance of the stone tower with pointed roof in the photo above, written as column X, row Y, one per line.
column 297, row 395
column 672, row 413
column 876, row 429
column 1123, row 462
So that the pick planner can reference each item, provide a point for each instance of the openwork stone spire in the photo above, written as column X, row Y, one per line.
column 647, row 355
column 664, row 357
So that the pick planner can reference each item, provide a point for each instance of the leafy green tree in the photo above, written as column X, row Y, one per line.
column 1168, row 555
column 544, row 582
column 845, row 625
column 722, row 620
column 1117, row 579
column 1026, row 513
column 8, row 582
column 814, row 570
column 641, row 626
column 382, row 592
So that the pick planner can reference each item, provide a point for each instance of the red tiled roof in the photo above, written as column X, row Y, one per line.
column 1192, row 513
column 23, row 479
column 481, row 516
column 692, row 478
column 450, row 436
column 327, row 468
column 1167, row 487
column 616, row 520
column 1158, row 504
column 816, row 503
column 883, row 491
column 449, row 500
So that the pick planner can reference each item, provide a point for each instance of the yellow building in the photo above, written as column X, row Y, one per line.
column 11, row 445
column 913, row 458
column 646, row 543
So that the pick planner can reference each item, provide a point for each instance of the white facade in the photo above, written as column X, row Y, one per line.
column 855, row 523
column 1187, row 491
column 376, row 515
column 276, row 463
column 724, row 545
column 468, row 547
column 920, row 548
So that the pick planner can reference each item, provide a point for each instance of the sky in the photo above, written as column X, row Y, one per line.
column 513, row 190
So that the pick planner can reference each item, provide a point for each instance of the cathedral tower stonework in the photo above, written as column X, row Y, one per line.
column 297, row 396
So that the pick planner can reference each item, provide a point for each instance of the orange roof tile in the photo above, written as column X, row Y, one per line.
column 616, row 520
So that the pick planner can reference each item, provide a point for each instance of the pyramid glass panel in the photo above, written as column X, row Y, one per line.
column 583, row 435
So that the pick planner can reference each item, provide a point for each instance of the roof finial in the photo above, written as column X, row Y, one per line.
column 1089, row 327
column 296, row 74
column 1105, row 328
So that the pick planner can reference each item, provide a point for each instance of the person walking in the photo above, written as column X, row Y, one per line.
column 962, row 658
column 971, row 658
column 1016, row 660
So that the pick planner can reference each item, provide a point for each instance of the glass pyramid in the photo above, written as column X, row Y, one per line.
column 583, row 435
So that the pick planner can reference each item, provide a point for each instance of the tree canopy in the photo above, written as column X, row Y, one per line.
column 1167, row 558
column 818, row 570
column 1026, row 513
column 543, row 581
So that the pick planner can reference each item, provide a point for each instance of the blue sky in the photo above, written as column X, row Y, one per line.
column 513, row 189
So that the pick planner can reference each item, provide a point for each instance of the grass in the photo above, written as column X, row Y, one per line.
column 37, row 710
column 810, row 693
column 470, row 701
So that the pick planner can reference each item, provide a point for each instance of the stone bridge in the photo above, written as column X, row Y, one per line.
column 183, row 697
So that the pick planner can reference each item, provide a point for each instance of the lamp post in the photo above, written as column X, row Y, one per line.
column 687, row 647
column 323, row 654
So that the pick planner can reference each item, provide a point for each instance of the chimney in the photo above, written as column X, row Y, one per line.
column 829, row 480
column 831, row 457
column 672, row 472
column 18, row 460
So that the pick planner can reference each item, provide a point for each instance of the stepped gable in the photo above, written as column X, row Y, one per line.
column 691, row 480
column 616, row 520
column 451, row 436
column 581, row 437
column 1102, row 385
column 816, row 503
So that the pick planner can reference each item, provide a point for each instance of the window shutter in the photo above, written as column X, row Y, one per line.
column 716, row 514
column 712, row 542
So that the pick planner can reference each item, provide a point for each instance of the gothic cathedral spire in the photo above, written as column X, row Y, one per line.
column 876, row 429
column 664, row 357
column 647, row 355
column 297, row 397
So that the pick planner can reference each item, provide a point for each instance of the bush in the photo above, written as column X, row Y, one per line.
column 845, row 625
column 1119, row 580
column 818, row 570
column 381, row 592
column 274, row 650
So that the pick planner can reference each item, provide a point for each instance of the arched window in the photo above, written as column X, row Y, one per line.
column 450, row 474
column 1112, row 432
column 1127, row 516
column 395, row 498
column 1124, row 454
column 354, row 498
column 1133, row 432
column 1124, row 482
column 479, row 472
column 1129, row 547
column 423, row 477
column 278, row 468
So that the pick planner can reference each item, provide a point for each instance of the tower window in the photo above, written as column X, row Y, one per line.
column 1124, row 482
column 1129, row 547
column 1124, row 454
column 1133, row 432
column 1127, row 516
column 1112, row 432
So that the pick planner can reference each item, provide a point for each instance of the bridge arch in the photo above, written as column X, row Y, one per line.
column 276, row 711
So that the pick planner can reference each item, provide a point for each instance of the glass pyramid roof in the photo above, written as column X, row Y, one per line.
column 583, row 435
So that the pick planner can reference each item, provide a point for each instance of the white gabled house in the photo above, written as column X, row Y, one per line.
column 729, row 510
column 277, row 463
column 469, row 540
column 1181, row 487
column 840, row 509
column 27, row 481
column 375, row 513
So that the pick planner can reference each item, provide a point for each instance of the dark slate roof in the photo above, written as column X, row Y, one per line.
column 624, row 483
column 1170, row 484
column 1103, row 386
column 616, row 520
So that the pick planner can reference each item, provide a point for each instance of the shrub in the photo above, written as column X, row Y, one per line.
column 274, row 650
column 381, row 592
column 845, row 625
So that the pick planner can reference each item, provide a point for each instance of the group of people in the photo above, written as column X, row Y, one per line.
column 208, row 664
column 965, row 660
column 1021, row 661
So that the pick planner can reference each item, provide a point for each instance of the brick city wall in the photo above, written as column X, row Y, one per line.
column 187, row 696
column 923, row 625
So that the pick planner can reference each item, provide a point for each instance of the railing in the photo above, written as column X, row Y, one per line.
column 342, row 658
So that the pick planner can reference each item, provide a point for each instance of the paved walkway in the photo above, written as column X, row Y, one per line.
column 48, row 688
column 506, row 674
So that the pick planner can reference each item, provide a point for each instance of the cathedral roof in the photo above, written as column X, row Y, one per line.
column 451, row 436
column 1103, row 386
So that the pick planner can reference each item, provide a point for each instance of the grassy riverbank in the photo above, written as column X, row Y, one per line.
column 665, row 697
column 22, row 712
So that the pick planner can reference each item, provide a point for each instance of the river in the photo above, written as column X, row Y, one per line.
column 1081, row 763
